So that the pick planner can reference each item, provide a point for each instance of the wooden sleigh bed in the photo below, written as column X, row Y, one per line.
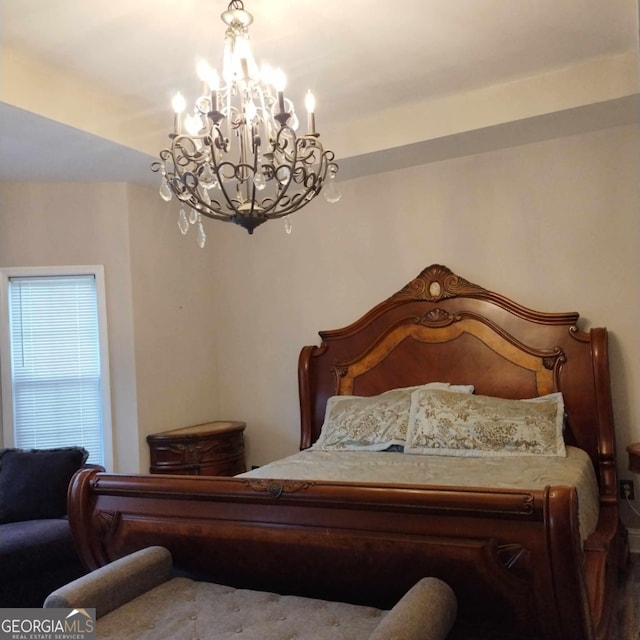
column 520, row 559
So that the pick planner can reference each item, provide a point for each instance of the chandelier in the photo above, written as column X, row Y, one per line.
column 237, row 156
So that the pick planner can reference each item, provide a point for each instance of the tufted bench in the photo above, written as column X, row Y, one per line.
column 136, row 597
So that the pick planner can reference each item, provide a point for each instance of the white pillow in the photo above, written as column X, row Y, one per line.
column 373, row 423
column 453, row 424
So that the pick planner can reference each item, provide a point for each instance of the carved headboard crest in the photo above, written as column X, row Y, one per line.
column 436, row 283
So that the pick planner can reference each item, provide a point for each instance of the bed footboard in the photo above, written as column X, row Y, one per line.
column 512, row 557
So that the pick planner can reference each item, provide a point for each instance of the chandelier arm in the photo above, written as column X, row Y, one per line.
column 257, row 167
column 246, row 143
column 223, row 183
column 293, row 159
column 186, row 148
column 316, row 182
column 310, row 144
column 312, row 183
column 218, row 142
column 191, row 183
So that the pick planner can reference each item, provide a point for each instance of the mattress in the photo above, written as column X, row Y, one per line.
column 390, row 467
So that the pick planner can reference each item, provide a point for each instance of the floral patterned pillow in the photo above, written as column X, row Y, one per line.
column 371, row 423
column 453, row 424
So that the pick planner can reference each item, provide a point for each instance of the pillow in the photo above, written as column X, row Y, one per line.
column 454, row 424
column 375, row 423
column 34, row 483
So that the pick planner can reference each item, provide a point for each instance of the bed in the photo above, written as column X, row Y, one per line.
column 492, row 467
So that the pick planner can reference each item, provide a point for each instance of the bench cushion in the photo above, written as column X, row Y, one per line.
column 186, row 609
column 135, row 597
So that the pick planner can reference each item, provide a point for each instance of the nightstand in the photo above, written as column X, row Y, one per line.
column 211, row 449
column 634, row 457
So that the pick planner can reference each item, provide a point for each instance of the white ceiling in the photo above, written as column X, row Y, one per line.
column 360, row 57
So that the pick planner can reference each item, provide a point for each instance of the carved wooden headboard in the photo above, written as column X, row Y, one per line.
column 443, row 328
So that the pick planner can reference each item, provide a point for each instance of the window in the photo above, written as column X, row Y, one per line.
column 54, row 366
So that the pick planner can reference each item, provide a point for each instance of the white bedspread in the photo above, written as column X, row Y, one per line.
column 521, row 472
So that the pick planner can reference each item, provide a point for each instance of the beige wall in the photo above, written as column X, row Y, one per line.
column 159, row 293
column 174, row 303
column 553, row 225
column 198, row 335
column 82, row 224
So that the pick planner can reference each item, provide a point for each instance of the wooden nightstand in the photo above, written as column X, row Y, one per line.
column 211, row 449
column 634, row 457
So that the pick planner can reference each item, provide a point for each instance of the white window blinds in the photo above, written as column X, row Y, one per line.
column 55, row 363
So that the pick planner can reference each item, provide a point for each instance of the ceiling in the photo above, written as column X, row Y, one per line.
column 85, row 86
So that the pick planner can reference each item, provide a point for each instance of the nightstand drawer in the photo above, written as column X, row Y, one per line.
column 214, row 449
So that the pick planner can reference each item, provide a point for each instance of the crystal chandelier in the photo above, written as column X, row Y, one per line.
column 237, row 157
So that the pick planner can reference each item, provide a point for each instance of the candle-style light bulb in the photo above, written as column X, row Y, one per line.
column 204, row 70
column 192, row 124
column 214, row 85
column 178, row 103
column 244, row 64
column 280, row 82
column 214, row 80
column 266, row 73
column 250, row 111
column 227, row 61
column 210, row 82
column 310, row 104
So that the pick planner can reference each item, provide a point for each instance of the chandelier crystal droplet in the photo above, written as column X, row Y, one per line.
column 237, row 156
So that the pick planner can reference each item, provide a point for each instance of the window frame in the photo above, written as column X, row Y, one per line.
column 6, row 414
